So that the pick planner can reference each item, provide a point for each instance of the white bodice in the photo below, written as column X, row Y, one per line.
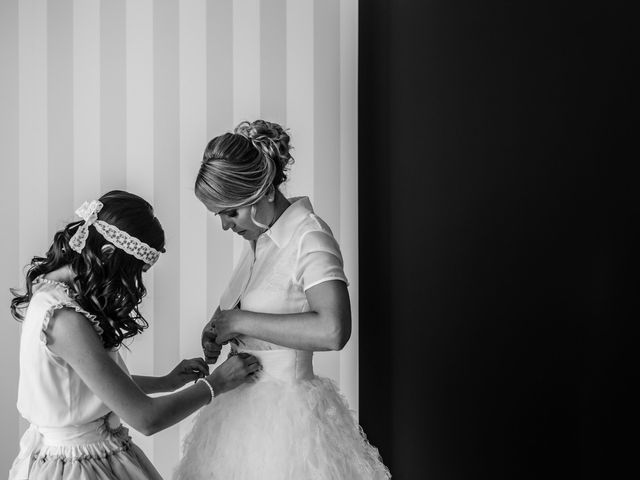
column 273, row 273
column 50, row 392
column 285, row 365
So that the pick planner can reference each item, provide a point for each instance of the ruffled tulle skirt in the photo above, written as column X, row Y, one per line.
column 279, row 429
column 89, row 452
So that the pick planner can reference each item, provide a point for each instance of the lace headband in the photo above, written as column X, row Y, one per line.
column 88, row 211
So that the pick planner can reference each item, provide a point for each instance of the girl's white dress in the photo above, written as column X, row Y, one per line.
column 289, row 424
column 72, row 434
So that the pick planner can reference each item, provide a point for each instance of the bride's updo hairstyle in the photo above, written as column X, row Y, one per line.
column 108, row 281
column 238, row 168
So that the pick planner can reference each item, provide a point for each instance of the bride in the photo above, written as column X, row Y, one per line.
column 286, row 299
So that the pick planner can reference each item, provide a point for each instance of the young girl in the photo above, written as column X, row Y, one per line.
column 286, row 299
column 81, row 304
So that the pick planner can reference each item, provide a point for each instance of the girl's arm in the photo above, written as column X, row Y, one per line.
column 186, row 371
column 326, row 327
column 151, row 384
column 72, row 338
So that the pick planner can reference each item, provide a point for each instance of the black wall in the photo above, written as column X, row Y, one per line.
column 496, row 209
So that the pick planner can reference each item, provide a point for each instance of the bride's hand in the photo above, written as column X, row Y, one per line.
column 225, row 325
column 210, row 348
column 233, row 372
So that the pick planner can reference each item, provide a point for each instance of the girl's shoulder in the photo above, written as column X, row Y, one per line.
column 48, row 293
column 42, row 285
column 50, row 296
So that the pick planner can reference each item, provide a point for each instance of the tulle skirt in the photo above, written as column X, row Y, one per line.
column 87, row 452
column 282, row 429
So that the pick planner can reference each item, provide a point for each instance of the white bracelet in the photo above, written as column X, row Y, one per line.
column 206, row 382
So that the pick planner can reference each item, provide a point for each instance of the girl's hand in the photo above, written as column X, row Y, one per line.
column 235, row 371
column 225, row 325
column 186, row 371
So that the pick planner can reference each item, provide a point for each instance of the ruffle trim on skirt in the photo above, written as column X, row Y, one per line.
column 112, row 457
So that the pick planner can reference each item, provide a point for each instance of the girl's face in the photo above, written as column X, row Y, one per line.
column 239, row 219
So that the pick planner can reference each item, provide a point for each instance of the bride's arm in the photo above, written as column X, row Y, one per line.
column 327, row 326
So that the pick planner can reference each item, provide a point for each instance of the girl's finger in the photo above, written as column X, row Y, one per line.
column 194, row 366
column 251, row 359
column 199, row 364
column 204, row 365
column 191, row 363
column 253, row 367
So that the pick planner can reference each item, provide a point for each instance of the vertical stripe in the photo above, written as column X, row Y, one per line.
column 167, row 207
column 220, row 74
column 219, row 120
column 140, row 162
column 326, row 146
column 273, row 61
column 349, row 188
column 32, row 136
column 193, row 216
column 86, row 100
column 60, row 113
column 139, row 97
column 10, row 262
column 113, row 95
column 326, row 133
column 246, row 72
column 246, row 60
column 300, row 98
column 33, row 156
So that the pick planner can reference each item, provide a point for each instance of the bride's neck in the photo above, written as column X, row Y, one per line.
column 281, row 204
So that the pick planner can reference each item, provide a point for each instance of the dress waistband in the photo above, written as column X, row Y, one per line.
column 73, row 435
column 62, row 439
column 284, row 365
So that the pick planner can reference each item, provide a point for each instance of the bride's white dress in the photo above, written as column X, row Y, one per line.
column 289, row 424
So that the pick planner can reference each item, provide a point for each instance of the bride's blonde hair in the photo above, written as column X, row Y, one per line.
column 239, row 168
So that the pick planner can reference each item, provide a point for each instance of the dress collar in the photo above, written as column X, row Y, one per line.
column 283, row 229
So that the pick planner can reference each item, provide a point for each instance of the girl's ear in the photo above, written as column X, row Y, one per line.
column 107, row 250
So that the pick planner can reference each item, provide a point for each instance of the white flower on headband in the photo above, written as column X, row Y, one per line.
column 88, row 211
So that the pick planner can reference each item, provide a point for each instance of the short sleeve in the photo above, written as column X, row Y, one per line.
column 319, row 260
column 70, row 304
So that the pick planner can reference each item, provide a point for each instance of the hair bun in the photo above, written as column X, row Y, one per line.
column 273, row 141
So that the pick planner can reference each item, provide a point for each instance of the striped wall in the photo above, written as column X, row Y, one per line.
column 104, row 94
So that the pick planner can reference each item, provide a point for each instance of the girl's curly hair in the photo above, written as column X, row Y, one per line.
column 107, row 282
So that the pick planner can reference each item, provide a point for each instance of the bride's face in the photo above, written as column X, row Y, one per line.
column 239, row 219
